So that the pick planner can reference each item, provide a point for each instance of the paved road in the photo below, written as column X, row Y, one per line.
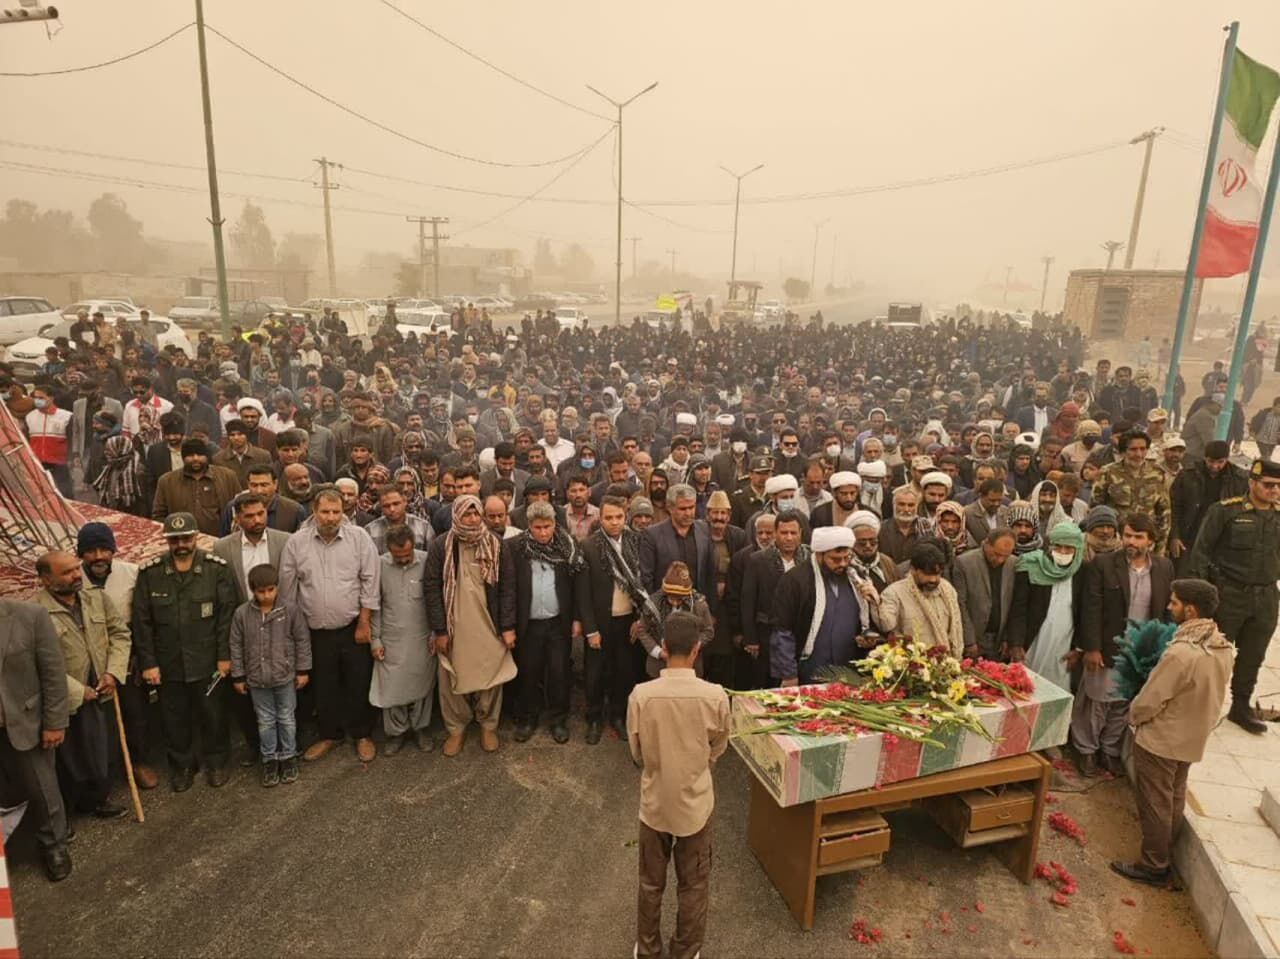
column 529, row 852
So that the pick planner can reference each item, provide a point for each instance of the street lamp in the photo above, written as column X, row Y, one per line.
column 737, row 200
column 617, row 287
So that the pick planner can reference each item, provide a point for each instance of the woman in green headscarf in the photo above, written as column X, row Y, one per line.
column 1046, row 598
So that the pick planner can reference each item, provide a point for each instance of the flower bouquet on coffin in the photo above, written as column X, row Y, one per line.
column 905, row 688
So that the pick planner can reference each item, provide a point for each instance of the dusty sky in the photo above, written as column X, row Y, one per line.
column 828, row 95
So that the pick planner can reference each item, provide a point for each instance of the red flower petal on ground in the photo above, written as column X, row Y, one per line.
column 1128, row 902
column 1123, row 945
column 979, row 907
column 1058, row 899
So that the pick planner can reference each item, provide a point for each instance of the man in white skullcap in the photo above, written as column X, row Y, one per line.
column 685, row 423
column 819, row 613
column 875, row 481
column 780, row 492
column 845, row 487
column 867, row 560
column 936, row 490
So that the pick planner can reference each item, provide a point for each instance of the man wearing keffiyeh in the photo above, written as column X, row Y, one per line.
column 470, row 586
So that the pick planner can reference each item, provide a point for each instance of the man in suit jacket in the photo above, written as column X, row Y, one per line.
column 678, row 538
column 165, row 454
column 614, row 662
column 33, row 696
column 196, row 411
column 987, row 511
column 504, row 467
column 984, row 580
column 1039, row 414
column 725, row 541
column 1129, row 583
column 548, row 560
column 253, row 544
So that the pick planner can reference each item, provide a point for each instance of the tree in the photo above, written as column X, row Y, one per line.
column 797, row 290
column 544, row 261
column 576, row 264
column 48, row 240
column 251, row 243
column 117, row 235
column 299, row 251
column 408, row 277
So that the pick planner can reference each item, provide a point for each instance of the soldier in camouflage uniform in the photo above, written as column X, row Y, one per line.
column 182, row 608
column 1135, row 485
column 1238, row 550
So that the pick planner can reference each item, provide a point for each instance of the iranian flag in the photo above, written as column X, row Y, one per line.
column 1235, row 201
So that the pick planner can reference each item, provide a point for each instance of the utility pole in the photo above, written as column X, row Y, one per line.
column 30, row 10
column 835, row 241
column 813, row 266
column 737, row 202
column 326, row 186
column 215, row 206
column 1044, row 284
column 634, row 240
column 673, row 265
column 1149, row 138
column 1008, row 273
column 436, row 237
column 1112, row 247
column 617, row 282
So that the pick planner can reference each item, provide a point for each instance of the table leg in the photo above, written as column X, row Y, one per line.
column 1020, row 856
column 785, row 841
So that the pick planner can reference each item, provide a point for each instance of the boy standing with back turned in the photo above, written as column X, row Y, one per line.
column 677, row 725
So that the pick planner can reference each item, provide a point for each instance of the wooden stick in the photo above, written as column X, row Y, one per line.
column 128, row 763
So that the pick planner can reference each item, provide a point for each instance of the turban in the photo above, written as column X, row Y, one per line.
column 935, row 478
column 873, row 469
column 847, row 478
column 863, row 518
column 831, row 537
column 780, row 483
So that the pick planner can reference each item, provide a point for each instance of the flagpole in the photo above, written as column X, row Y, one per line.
column 1251, row 291
column 1189, row 282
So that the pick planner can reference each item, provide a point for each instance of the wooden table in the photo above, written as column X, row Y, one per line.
column 797, row 844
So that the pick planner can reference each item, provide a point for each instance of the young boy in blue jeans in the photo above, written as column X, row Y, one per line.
column 271, row 659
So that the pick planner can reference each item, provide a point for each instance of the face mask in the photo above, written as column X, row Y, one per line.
column 586, row 463
column 739, row 447
column 789, row 452
column 1219, row 397
column 472, row 417
column 833, row 450
column 890, row 442
column 41, row 403
column 1064, row 559
column 1089, row 441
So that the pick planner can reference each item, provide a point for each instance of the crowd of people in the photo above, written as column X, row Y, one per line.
column 453, row 519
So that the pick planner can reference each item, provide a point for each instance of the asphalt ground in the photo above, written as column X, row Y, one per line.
column 531, row 852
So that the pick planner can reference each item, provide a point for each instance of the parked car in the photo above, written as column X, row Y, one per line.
column 23, row 316
column 570, row 317
column 108, row 308
column 423, row 322
column 196, row 313
column 28, row 355
column 655, row 318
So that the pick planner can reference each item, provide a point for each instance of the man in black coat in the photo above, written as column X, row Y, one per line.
column 726, row 540
column 1199, row 485
column 1098, row 717
column 764, row 571
column 165, row 454
column 606, row 591
column 195, row 411
column 547, row 564
column 745, row 673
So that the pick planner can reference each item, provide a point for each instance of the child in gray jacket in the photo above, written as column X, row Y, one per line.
column 271, row 659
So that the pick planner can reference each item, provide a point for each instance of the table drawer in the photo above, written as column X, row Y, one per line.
column 845, row 837
column 980, row 816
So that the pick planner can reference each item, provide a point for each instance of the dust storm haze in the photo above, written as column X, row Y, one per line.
column 830, row 97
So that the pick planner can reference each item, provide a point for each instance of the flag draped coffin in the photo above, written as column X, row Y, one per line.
column 798, row 769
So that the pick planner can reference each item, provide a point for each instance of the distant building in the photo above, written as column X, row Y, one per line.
column 1127, row 304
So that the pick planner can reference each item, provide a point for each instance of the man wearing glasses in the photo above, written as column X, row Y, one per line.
column 143, row 395
column 1237, row 552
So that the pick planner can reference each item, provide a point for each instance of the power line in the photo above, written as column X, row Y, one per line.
column 91, row 176
column 532, row 196
column 382, row 126
column 488, row 193
column 902, row 184
column 675, row 223
column 67, row 151
column 493, row 66
column 105, row 63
